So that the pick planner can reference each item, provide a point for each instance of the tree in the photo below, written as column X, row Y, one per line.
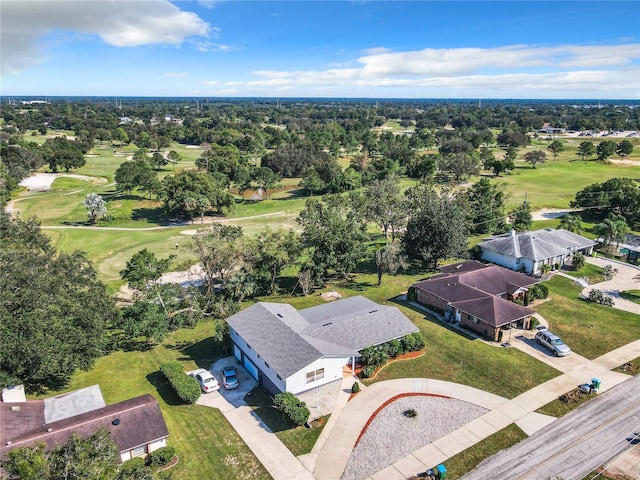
column 266, row 179
column 390, row 258
column 64, row 153
column 616, row 195
column 158, row 160
column 513, row 139
column 176, row 189
column 121, row 136
column 312, row 182
column 96, row 206
column 555, row 148
column 605, row 149
column 578, row 261
column 385, row 204
column 571, row 223
column 143, row 271
column 510, row 156
column 535, row 157
column 585, row 150
column 16, row 164
column 145, row 319
column 486, row 202
column 92, row 458
column 460, row 165
column 220, row 252
column 273, row 250
column 624, row 148
column 334, row 232
column 174, row 157
column 520, row 218
column 437, row 227
column 54, row 310
column 613, row 228
column 136, row 174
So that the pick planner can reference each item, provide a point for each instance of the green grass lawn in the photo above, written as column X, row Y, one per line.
column 590, row 330
column 632, row 295
column 464, row 462
column 298, row 439
column 206, row 443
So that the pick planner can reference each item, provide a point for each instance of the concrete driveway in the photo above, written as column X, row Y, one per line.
column 623, row 280
column 226, row 400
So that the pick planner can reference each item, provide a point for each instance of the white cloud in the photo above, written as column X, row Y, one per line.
column 123, row 23
column 204, row 46
column 176, row 74
column 376, row 51
column 209, row 3
column 567, row 68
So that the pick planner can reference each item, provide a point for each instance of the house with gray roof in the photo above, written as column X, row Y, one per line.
column 527, row 251
column 292, row 350
column 478, row 297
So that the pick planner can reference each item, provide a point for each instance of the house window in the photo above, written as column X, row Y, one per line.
column 140, row 451
column 474, row 319
column 315, row 375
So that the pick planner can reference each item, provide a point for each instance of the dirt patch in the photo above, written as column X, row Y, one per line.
column 551, row 213
column 41, row 182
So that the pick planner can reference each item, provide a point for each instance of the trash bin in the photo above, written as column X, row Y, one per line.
column 442, row 471
column 585, row 388
column 595, row 384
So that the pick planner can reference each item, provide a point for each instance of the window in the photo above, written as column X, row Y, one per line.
column 315, row 375
column 140, row 451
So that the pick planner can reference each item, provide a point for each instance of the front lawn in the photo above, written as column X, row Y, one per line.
column 299, row 440
column 454, row 358
column 590, row 330
column 464, row 462
column 207, row 445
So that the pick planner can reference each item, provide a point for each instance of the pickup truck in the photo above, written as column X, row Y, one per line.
column 208, row 382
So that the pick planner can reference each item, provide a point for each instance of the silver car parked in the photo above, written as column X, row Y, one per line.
column 553, row 343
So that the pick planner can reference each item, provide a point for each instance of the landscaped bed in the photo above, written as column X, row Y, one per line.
column 396, row 432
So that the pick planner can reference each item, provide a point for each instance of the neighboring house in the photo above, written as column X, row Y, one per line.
column 289, row 350
column 136, row 425
column 479, row 297
column 630, row 247
column 527, row 251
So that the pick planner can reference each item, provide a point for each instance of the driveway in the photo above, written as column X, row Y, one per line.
column 226, row 400
column 623, row 280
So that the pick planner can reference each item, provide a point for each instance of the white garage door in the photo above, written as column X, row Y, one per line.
column 236, row 352
column 251, row 368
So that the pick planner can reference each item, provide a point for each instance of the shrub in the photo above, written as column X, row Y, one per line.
column 368, row 371
column 578, row 261
column 609, row 272
column 412, row 295
column 185, row 386
column 408, row 343
column 597, row 296
column 292, row 407
column 355, row 388
column 393, row 348
column 546, row 268
column 374, row 356
column 162, row 456
column 538, row 291
column 134, row 468
column 418, row 341
column 534, row 323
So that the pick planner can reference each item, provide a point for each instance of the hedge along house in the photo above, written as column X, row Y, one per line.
column 478, row 297
column 136, row 426
column 289, row 350
column 527, row 251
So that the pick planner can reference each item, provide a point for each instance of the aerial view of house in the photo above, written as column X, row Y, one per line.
column 295, row 350
column 478, row 296
column 528, row 251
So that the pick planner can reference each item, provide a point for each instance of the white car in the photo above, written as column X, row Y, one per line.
column 208, row 382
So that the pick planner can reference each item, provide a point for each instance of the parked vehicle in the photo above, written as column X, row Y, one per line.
column 230, row 378
column 208, row 382
column 553, row 343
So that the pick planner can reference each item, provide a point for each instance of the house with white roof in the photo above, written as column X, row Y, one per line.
column 289, row 350
column 527, row 251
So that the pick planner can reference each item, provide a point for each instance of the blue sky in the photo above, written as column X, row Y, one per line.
column 380, row 49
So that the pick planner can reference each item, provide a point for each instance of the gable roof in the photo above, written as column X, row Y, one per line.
column 493, row 310
column 141, row 422
column 289, row 340
column 537, row 245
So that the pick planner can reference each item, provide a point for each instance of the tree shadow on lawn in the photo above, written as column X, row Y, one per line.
column 164, row 388
column 203, row 352
column 154, row 215
column 262, row 404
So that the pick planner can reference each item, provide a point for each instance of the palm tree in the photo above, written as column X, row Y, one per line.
column 613, row 228
column 571, row 223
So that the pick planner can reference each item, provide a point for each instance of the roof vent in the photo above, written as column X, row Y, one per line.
column 327, row 324
column 373, row 311
column 15, row 408
column 116, row 422
column 280, row 315
column 49, row 430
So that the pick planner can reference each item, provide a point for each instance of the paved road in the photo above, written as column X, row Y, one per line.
column 574, row 445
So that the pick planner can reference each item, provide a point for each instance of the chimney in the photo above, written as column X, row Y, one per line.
column 512, row 233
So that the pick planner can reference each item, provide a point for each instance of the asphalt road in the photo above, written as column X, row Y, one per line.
column 575, row 444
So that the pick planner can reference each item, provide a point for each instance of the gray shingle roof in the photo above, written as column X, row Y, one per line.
column 537, row 245
column 289, row 340
column 494, row 310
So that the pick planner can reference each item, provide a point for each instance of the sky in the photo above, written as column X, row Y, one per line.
column 340, row 49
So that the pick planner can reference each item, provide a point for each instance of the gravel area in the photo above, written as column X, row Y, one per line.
column 392, row 436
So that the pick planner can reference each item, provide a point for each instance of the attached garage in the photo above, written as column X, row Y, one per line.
column 251, row 368
column 237, row 352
